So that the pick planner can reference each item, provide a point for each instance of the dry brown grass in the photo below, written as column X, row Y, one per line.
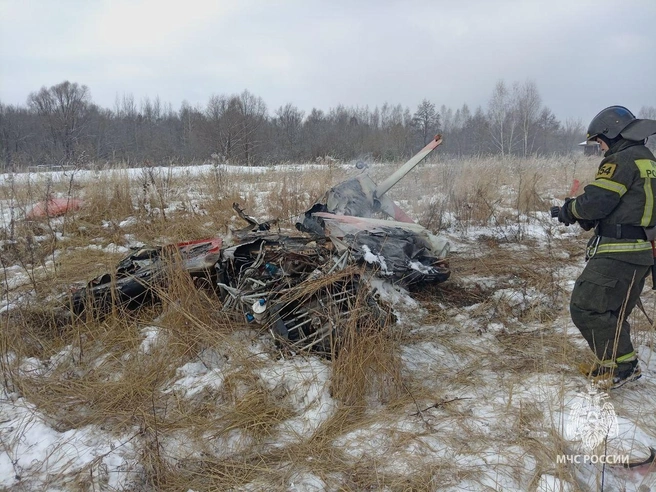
column 368, row 368
column 409, row 401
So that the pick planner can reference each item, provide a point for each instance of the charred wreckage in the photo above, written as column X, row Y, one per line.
column 302, row 287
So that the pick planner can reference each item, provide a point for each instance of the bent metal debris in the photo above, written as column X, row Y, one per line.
column 301, row 286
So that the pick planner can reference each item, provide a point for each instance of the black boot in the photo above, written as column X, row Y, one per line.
column 608, row 378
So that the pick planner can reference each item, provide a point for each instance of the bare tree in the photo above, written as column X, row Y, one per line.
column 236, row 126
column 549, row 130
column 453, row 124
column 475, row 129
column 502, row 120
column 395, row 125
column 375, row 119
column 288, row 123
column 253, row 112
column 528, row 107
column 64, row 107
column 426, row 121
column 315, row 134
column 192, row 121
column 220, row 133
column 647, row 112
column 16, row 132
column 446, row 118
column 62, row 121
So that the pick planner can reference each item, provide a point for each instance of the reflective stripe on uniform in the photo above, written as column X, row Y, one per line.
column 631, row 356
column 626, row 358
column 647, row 171
column 623, row 247
column 573, row 209
column 609, row 185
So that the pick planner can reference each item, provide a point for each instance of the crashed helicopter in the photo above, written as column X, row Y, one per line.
column 303, row 286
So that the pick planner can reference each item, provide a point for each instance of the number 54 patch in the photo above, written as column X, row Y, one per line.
column 606, row 171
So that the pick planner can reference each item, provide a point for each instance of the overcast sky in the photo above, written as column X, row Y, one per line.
column 583, row 55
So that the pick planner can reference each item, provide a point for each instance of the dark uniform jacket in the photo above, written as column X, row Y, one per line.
column 624, row 193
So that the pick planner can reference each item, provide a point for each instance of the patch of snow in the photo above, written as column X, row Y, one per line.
column 305, row 384
column 130, row 221
column 305, row 482
column 152, row 337
column 36, row 457
column 549, row 483
column 110, row 248
column 420, row 267
column 194, row 377
column 372, row 258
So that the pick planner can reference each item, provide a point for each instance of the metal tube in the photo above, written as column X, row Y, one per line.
column 305, row 347
column 302, row 315
column 296, row 327
column 396, row 176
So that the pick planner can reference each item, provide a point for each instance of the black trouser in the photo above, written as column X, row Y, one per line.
column 607, row 289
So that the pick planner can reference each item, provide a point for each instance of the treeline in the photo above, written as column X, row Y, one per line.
column 62, row 125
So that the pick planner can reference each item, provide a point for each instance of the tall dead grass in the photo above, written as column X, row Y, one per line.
column 416, row 391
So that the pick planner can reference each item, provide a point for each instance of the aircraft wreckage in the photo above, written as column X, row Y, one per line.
column 303, row 286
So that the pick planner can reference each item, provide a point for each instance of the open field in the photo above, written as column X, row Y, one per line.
column 471, row 389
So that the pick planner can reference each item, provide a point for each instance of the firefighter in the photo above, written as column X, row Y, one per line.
column 620, row 204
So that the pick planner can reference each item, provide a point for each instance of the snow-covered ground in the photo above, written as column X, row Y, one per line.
column 492, row 397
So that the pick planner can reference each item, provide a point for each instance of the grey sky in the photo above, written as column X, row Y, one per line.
column 583, row 54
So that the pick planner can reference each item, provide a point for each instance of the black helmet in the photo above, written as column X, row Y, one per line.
column 610, row 122
column 639, row 130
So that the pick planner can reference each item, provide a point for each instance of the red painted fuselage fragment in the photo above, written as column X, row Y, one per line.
column 54, row 208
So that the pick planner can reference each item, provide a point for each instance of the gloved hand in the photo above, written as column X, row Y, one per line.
column 565, row 214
